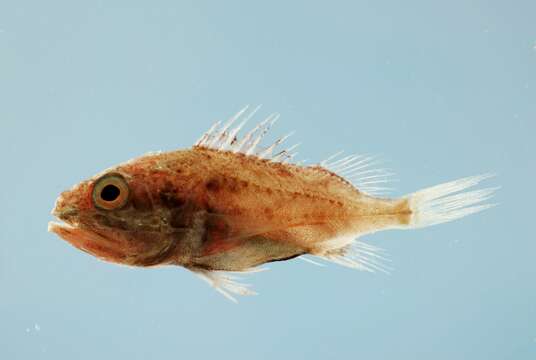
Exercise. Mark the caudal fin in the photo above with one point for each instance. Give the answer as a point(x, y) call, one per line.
point(448, 201)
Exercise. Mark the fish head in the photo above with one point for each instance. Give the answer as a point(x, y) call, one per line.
point(112, 216)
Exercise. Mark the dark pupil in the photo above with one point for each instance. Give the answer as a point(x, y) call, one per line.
point(110, 193)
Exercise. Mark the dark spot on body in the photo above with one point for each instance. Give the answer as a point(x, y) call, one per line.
point(209, 209)
point(213, 185)
point(269, 213)
point(170, 199)
point(284, 172)
point(181, 218)
point(216, 229)
point(168, 196)
point(216, 223)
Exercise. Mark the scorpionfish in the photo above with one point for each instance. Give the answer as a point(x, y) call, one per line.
point(230, 204)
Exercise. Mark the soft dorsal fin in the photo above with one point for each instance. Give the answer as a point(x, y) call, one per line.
point(360, 171)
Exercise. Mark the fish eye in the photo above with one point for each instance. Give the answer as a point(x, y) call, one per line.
point(110, 192)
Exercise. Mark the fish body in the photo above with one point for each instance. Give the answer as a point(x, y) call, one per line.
point(230, 205)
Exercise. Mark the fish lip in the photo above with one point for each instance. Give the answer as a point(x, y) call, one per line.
point(66, 214)
point(88, 241)
point(55, 226)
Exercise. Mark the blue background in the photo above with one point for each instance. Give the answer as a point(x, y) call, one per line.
point(440, 89)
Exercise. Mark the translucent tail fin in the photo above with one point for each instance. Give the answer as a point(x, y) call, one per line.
point(448, 202)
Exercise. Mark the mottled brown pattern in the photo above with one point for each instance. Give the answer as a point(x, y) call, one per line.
point(220, 211)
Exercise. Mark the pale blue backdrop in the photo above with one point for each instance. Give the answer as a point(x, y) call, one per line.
point(441, 89)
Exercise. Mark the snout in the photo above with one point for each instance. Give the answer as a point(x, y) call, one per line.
point(65, 211)
point(68, 214)
point(71, 203)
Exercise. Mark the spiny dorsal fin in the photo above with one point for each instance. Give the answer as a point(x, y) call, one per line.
point(356, 170)
point(226, 138)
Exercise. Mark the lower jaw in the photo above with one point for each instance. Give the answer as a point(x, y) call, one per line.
point(86, 241)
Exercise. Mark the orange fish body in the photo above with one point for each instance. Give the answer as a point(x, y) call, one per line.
point(228, 204)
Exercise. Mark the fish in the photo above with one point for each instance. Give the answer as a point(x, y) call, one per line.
point(231, 203)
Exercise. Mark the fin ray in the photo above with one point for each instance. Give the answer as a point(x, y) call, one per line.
point(447, 202)
point(226, 137)
point(358, 255)
point(225, 283)
point(359, 171)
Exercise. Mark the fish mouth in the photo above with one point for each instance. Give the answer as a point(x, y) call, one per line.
point(91, 242)
point(65, 231)
point(62, 229)
point(67, 227)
